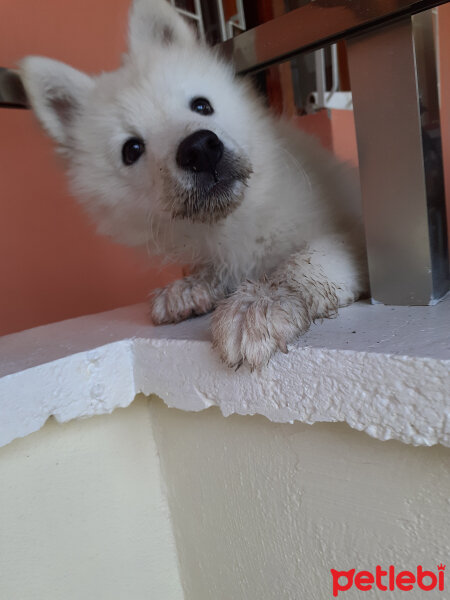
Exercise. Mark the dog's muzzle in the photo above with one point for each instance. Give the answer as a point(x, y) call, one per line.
point(214, 180)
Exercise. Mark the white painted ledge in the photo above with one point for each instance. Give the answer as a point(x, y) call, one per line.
point(383, 370)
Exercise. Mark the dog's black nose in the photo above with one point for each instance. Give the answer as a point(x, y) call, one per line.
point(200, 152)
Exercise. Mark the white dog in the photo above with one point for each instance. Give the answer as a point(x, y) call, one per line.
point(174, 152)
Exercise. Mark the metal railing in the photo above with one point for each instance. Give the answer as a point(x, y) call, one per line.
point(393, 73)
point(12, 93)
point(196, 15)
point(314, 25)
point(236, 22)
point(227, 27)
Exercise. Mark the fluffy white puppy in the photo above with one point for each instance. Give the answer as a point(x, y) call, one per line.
point(173, 152)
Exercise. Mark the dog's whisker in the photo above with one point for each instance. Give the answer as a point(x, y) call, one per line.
point(297, 164)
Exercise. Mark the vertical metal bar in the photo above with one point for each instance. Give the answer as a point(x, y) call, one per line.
point(229, 27)
point(395, 99)
point(237, 21)
point(197, 15)
point(223, 28)
point(198, 12)
point(240, 15)
point(319, 61)
point(334, 69)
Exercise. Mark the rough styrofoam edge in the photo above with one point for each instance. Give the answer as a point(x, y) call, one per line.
point(88, 383)
point(389, 397)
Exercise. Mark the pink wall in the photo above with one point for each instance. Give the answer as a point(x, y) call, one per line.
point(53, 266)
point(336, 131)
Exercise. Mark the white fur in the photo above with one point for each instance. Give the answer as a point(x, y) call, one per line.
point(297, 233)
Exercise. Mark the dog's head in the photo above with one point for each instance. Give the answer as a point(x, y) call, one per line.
point(166, 136)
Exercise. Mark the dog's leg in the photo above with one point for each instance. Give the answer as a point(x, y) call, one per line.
point(262, 317)
point(193, 295)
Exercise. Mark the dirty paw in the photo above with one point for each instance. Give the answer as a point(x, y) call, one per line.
point(180, 300)
point(256, 321)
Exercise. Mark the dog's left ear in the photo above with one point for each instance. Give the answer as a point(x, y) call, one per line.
point(157, 22)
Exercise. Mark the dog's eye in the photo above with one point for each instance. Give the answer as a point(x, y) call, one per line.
point(202, 106)
point(132, 150)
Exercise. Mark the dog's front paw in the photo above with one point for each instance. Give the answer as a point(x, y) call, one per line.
point(181, 300)
point(256, 321)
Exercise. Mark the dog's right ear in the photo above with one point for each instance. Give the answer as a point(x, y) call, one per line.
point(157, 22)
point(56, 92)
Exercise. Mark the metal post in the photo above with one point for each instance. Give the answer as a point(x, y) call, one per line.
point(395, 99)
point(223, 25)
point(319, 62)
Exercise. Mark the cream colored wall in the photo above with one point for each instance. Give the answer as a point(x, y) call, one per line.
point(254, 510)
point(263, 511)
point(82, 513)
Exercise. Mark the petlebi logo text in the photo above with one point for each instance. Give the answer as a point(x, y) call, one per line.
point(388, 580)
